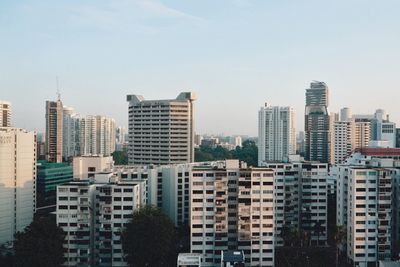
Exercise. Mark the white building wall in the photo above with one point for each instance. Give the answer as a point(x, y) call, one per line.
point(276, 133)
point(17, 181)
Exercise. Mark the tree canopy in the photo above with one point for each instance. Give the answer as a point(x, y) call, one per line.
point(40, 244)
point(120, 157)
point(247, 153)
point(149, 239)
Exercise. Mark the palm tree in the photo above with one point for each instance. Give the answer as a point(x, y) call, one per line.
point(318, 229)
point(340, 237)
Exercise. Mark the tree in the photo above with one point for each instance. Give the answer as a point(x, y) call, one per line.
point(120, 157)
point(247, 153)
point(318, 230)
point(40, 245)
point(339, 236)
point(149, 239)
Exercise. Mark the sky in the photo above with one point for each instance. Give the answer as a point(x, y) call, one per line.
point(235, 54)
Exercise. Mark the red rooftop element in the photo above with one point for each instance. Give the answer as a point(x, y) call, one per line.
point(377, 151)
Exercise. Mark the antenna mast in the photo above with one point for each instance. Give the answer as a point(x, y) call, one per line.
point(58, 90)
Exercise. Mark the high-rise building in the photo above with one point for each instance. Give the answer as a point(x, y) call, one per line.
point(69, 133)
point(49, 176)
point(317, 123)
point(161, 131)
point(343, 136)
point(232, 208)
point(17, 181)
point(300, 200)
point(5, 114)
point(276, 133)
point(54, 131)
point(362, 133)
point(382, 129)
point(93, 216)
point(367, 204)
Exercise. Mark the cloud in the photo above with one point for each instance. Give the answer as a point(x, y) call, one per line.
point(131, 15)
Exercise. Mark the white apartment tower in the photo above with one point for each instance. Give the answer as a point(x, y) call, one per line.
point(232, 208)
point(93, 216)
point(69, 133)
point(17, 181)
point(362, 133)
point(276, 133)
point(5, 114)
point(161, 131)
point(367, 204)
point(343, 136)
point(300, 200)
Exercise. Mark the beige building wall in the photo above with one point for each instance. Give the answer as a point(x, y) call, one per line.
point(17, 181)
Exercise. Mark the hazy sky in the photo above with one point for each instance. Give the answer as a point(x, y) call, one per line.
point(236, 54)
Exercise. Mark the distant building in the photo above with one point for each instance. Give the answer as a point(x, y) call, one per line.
point(276, 133)
point(210, 141)
point(70, 134)
point(382, 129)
point(197, 139)
point(49, 176)
point(17, 181)
point(86, 167)
point(362, 133)
point(5, 114)
point(236, 141)
point(161, 131)
point(344, 135)
point(54, 131)
point(318, 123)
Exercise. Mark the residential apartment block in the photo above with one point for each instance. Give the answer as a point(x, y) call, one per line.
point(301, 191)
point(232, 208)
point(161, 132)
point(367, 204)
point(5, 114)
point(54, 131)
point(276, 133)
point(93, 216)
point(17, 181)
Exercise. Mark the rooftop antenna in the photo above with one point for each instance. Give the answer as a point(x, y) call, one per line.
point(58, 90)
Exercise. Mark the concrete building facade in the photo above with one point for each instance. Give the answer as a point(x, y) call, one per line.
point(276, 133)
point(54, 131)
point(17, 181)
point(318, 124)
point(93, 216)
point(232, 208)
point(5, 114)
point(161, 131)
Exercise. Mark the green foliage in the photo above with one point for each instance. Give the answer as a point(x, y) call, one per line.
point(40, 245)
point(149, 239)
point(247, 153)
point(120, 157)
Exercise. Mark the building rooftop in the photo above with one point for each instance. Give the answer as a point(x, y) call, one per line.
point(232, 256)
point(372, 151)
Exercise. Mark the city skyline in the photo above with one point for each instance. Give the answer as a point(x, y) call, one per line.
point(235, 56)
